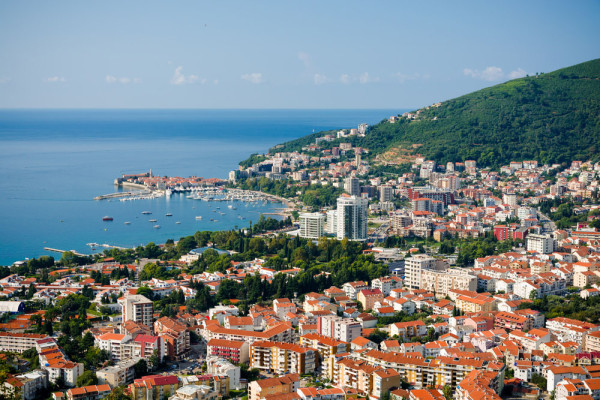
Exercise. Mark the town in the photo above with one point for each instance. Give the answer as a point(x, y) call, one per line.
point(434, 282)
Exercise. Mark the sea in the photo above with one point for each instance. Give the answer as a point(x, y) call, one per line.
point(54, 162)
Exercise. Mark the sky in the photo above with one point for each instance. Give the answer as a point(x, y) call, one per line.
point(280, 54)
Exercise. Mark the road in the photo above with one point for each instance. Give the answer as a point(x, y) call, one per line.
point(547, 224)
point(380, 233)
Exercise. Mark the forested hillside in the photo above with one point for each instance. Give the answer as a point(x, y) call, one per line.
point(553, 118)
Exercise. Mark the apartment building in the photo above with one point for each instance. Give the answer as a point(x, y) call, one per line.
point(18, 342)
point(236, 351)
point(29, 384)
point(136, 308)
point(409, 329)
point(221, 368)
point(282, 332)
point(441, 282)
point(93, 392)
point(326, 346)
point(352, 218)
point(53, 360)
point(511, 321)
point(539, 243)
point(122, 373)
point(368, 298)
point(567, 329)
point(285, 384)
point(352, 288)
point(312, 225)
point(470, 304)
point(413, 267)
point(175, 336)
point(280, 358)
point(154, 387)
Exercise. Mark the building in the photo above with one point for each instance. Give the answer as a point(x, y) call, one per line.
point(29, 384)
point(232, 350)
point(175, 336)
point(331, 227)
point(137, 308)
point(220, 367)
point(12, 307)
point(53, 360)
point(440, 282)
point(154, 387)
point(352, 186)
point(122, 373)
point(413, 266)
point(368, 298)
point(312, 225)
point(195, 392)
point(386, 193)
point(352, 218)
point(540, 243)
point(18, 342)
point(344, 329)
point(93, 392)
point(281, 357)
point(285, 384)
point(326, 346)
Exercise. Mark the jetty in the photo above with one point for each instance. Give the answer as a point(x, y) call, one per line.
point(64, 251)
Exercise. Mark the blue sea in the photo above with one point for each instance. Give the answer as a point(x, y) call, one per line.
point(54, 162)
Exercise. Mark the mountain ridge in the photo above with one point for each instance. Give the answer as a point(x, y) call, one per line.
point(551, 117)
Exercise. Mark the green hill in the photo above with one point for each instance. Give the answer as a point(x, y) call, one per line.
point(552, 118)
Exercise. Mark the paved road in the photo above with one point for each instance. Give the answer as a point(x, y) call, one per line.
point(547, 223)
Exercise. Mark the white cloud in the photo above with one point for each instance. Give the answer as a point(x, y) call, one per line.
point(55, 79)
point(180, 79)
point(255, 77)
point(122, 80)
point(320, 79)
point(365, 78)
point(488, 74)
point(401, 77)
point(305, 58)
point(518, 73)
point(345, 79)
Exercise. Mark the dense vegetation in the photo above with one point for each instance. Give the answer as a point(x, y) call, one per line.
point(552, 118)
point(320, 265)
point(572, 306)
point(311, 195)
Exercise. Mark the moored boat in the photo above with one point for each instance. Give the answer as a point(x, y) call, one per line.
point(107, 218)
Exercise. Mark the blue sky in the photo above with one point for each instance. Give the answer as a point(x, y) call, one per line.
point(280, 54)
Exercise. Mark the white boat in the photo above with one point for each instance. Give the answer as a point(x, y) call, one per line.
point(146, 212)
point(168, 215)
point(230, 206)
point(168, 192)
point(156, 226)
point(151, 220)
point(198, 217)
point(127, 223)
point(177, 222)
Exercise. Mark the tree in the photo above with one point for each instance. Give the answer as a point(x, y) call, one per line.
point(539, 380)
point(87, 378)
point(447, 391)
point(141, 368)
point(533, 295)
point(146, 292)
point(118, 394)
